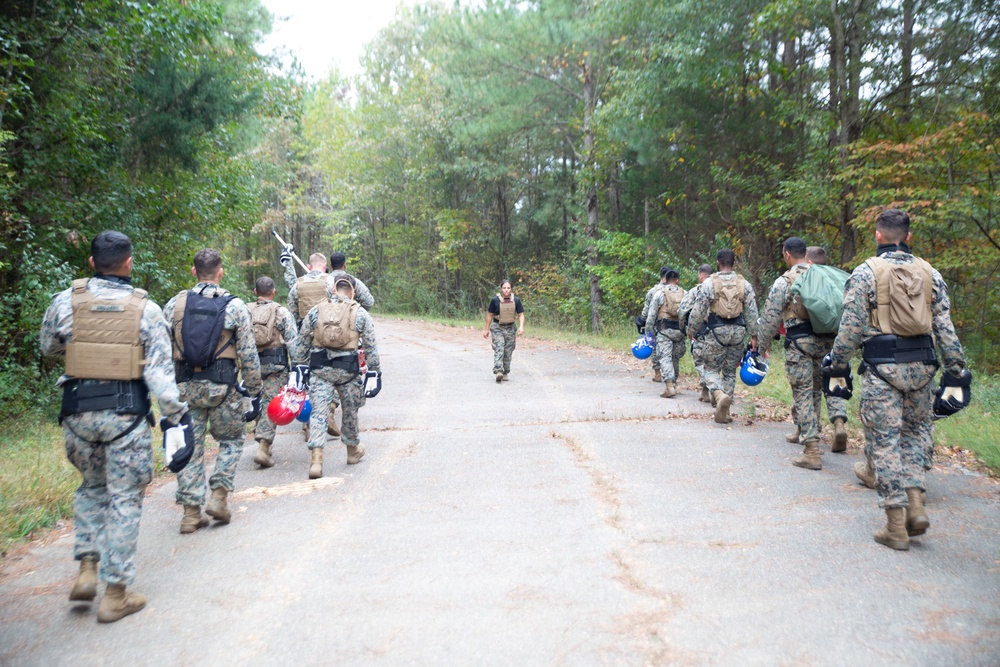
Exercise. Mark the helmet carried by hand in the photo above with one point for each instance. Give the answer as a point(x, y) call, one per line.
point(641, 349)
point(286, 406)
point(305, 412)
point(753, 369)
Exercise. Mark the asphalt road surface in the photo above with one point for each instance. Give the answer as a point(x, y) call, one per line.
point(569, 516)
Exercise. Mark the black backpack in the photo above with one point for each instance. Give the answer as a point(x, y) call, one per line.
point(201, 328)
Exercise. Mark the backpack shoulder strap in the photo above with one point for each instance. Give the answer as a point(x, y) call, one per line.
point(880, 315)
point(928, 273)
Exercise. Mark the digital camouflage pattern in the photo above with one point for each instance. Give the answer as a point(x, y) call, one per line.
point(645, 312)
point(504, 340)
point(107, 505)
point(896, 410)
point(274, 376)
point(722, 348)
point(687, 303)
point(218, 408)
point(803, 359)
point(670, 345)
point(293, 288)
point(322, 381)
point(361, 292)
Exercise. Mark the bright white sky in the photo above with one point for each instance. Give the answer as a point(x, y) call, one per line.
point(323, 32)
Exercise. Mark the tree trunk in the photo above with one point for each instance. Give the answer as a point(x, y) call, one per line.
point(906, 64)
point(591, 231)
point(847, 51)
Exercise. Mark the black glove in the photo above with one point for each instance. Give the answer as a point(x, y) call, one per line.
point(254, 411)
point(640, 324)
point(372, 393)
point(285, 258)
point(954, 393)
point(178, 442)
point(837, 382)
point(302, 376)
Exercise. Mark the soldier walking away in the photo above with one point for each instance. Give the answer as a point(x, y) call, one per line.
point(213, 340)
point(338, 268)
point(804, 350)
point(504, 309)
point(724, 312)
point(650, 293)
point(662, 317)
point(896, 308)
point(273, 330)
point(117, 350)
point(697, 342)
point(326, 356)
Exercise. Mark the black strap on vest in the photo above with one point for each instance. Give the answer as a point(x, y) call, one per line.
point(664, 324)
point(713, 321)
point(803, 330)
point(347, 362)
point(129, 397)
point(893, 349)
point(275, 355)
point(220, 371)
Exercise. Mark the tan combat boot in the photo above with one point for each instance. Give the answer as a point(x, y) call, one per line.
point(505, 378)
point(705, 397)
point(316, 467)
point(917, 522)
point(85, 588)
point(193, 520)
point(354, 453)
point(669, 390)
point(722, 401)
point(657, 376)
point(332, 430)
point(499, 378)
point(793, 437)
point(117, 604)
point(864, 472)
point(810, 456)
point(894, 534)
point(216, 507)
point(839, 436)
point(263, 455)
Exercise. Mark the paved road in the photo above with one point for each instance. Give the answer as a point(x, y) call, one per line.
point(566, 517)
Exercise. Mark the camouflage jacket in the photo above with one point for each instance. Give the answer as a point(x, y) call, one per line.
point(703, 301)
point(650, 293)
point(285, 324)
point(687, 303)
point(293, 290)
point(158, 373)
point(302, 347)
point(238, 321)
point(654, 306)
point(361, 292)
point(856, 322)
point(774, 308)
point(289, 275)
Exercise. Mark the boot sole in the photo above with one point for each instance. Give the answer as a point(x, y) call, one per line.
point(792, 441)
point(839, 443)
point(262, 462)
point(315, 475)
point(898, 545)
point(219, 515)
point(83, 594)
point(722, 411)
point(111, 617)
point(807, 465)
point(917, 526)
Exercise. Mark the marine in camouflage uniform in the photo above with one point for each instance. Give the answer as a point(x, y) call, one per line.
point(116, 464)
point(804, 350)
point(504, 334)
point(325, 382)
point(897, 398)
point(723, 345)
point(650, 293)
point(670, 345)
point(697, 343)
point(215, 407)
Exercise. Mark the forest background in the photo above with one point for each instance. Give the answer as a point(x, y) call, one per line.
point(573, 146)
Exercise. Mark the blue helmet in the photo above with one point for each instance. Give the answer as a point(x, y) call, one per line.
point(304, 413)
point(641, 349)
point(753, 369)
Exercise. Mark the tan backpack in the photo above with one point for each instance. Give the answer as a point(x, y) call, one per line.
point(728, 300)
point(672, 297)
point(903, 294)
point(311, 290)
point(794, 308)
point(337, 325)
point(264, 316)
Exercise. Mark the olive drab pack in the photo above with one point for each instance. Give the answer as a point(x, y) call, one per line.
point(311, 290)
point(794, 309)
point(903, 295)
point(508, 310)
point(670, 308)
point(728, 300)
point(106, 343)
point(200, 336)
point(264, 315)
point(337, 325)
point(820, 292)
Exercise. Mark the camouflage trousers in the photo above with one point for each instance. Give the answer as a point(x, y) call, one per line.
point(669, 349)
point(722, 356)
point(504, 337)
point(804, 372)
point(274, 377)
point(215, 408)
point(896, 414)
point(322, 390)
point(697, 356)
point(108, 504)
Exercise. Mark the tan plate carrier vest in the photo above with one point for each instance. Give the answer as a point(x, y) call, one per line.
point(106, 343)
point(228, 353)
point(508, 310)
point(898, 312)
point(264, 316)
point(793, 307)
point(312, 290)
point(670, 308)
point(727, 300)
point(337, 326)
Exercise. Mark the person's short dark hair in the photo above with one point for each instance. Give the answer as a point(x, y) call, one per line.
point(816, 254)
point(506, 282)
point(795, 247)
point(207, 263)
point(894, 225)
point(264, 286)
point(344, 280)
point(338, 260)
point(110, 250)
point(705, 269)
point(726, 258)
point(663, 271)
point(672, 274)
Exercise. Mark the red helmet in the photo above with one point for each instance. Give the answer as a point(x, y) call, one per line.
point(284, 407)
